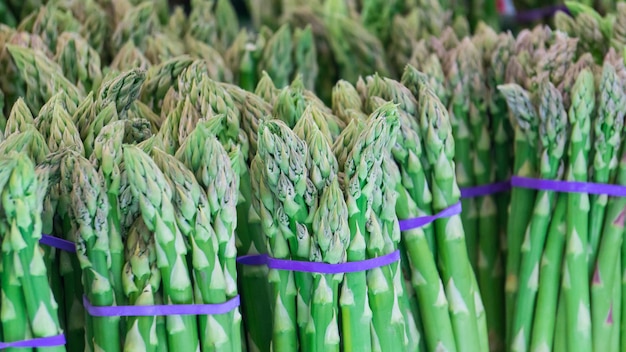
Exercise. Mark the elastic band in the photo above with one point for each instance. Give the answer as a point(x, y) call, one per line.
point(59, 243)
point(568, 186)
point(51, 341)
point(422, 221)
point(485, 190)
point(317, 267)
point(161, 310)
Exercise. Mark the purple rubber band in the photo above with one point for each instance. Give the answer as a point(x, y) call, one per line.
point(51, 341)
point(540, 13)
point(320, 268)
point(59, 243)
point(485, 190)
point(569, 186)
point(421, 221)
point(253, 259)
point(161, 310)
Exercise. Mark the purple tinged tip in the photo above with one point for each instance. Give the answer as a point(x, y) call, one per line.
point(609, 318)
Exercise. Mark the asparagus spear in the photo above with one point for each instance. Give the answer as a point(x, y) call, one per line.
point(217, 175)
point(43, 77)
point(129, 57)
point(305, 56)
point(462, 65)
point(15, 322)
point(345, 97)
point(330, 226)
point(322, 170)
point(148, 184)
point(552, 131)
point(138, 23)
point(522, 200)
point(142, 280)
point(503, 154)
point(610, 238)
point(607, 127)
point(30, 141)
point(121, 90)
point(266, 88)
point(107, 157)
point(19, 117)
point(549, 309)
point(276, 59)
point(89, 212)
point(160, 78)
point(79, 61)
point(455, 267)
point(575, 283)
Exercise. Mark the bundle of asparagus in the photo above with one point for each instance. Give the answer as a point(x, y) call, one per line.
point(29, 308)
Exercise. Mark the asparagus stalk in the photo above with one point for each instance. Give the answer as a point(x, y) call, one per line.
point(107, 157)
point(575, 283)
point(276, 59)
point(79, 61)
point(549, 296)
point(331, 234)
point(522, 200)
point(552, 131)
point(44, 77)
point(610, 241)
point(455, 267)
point(459, 73)
point(608, 127)
point(305, 56)
point(89, 212)
point(142, 280)
point(19, 117)
point(503, 154)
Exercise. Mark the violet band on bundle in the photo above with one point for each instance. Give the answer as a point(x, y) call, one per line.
point(161, 310)
point(51, 341)
point(485, 190)
point(569, 186)
point(421, 221)
point(318, 267)
point(59, 243)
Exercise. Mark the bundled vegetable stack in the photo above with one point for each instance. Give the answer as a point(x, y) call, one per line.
point(29, 309)
point(155, 153)
point(564, 289)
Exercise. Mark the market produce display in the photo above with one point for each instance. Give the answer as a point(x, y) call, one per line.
point(337, 176)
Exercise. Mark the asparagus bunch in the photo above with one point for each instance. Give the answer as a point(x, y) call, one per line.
point(30, 309)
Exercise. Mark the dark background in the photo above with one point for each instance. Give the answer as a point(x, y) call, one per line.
point(239, 5)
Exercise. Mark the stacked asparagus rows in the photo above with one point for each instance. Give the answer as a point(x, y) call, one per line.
point(163, 171)
point(580, 140)
point(307, 151)
point(133, 217)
